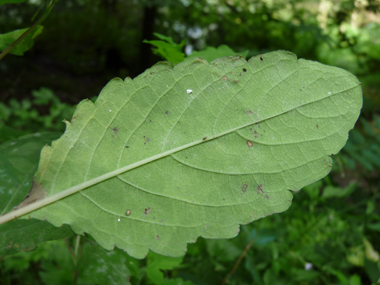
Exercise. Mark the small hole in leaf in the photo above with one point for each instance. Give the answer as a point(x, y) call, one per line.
point(244, 70)
point(261, 58)
point(128, 212)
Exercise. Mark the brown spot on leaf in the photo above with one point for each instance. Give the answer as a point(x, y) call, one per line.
point(205, 138)
point(317, 126)
point(235, 81)
point(261, 58)
point(255, 134)
point(115, 130)
point(266, 196)
point(250, 112)
point(224, 78)
point(259, 189)
point(147, 211)
point(127, 212)
point(244, 188)
point(167, 112)
point(157, 237)
point(36, 193)
point(126, 146)
point(250, 144)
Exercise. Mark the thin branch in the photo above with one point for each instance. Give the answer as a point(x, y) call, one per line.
point(237, 263)
point(70, 250)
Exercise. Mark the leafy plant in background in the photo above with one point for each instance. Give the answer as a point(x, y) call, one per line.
point(20, 118)
point(168, 49)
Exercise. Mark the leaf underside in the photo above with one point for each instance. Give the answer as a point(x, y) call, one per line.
point(213, 145)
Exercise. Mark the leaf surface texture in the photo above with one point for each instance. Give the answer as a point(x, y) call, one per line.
point(198, 149)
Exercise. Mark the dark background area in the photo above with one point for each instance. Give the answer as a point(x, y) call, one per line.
point(86, 43)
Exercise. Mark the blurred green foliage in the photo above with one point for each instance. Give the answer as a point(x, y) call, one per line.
point(331, 233)
point(19, 118)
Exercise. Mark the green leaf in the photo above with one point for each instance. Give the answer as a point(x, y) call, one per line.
point(194, 151)
point(2, 2)
point(168, 49)
point(98, 266)
point(211, 53)
point(157, 262)
point(7, 133)
point(26, 44)
point(18, 163)
point(332, 191)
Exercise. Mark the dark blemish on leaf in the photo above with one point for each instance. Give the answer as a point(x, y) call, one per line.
point(244, 188)
point(161, 221)
point(259, 189)
point(205, 138)
point(259, 126)
point(150, 120)
point(224, 199)
point(250, 112)
point(255, 134)
point(186, 156)
point(317, 126)
point(250, 129)
point(224, 77)
point(157, 237)
point(115, 130)
point(244, 70)
point(127, 212)
point(261, 58)
point(167, 112)
point(147, 211)
point(148, 139)
point(250, 144)
point(144, 137)
point(239, 74)
point(266, 196)
point(235, 81)
point(360, 83)
point(36, 193)
point(154, 218)
point(126, 146)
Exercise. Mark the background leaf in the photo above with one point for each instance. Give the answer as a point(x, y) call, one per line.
point(2, 2)
point(18, 163)
point(26, 44)
point(211, 53)
point(196, 150)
